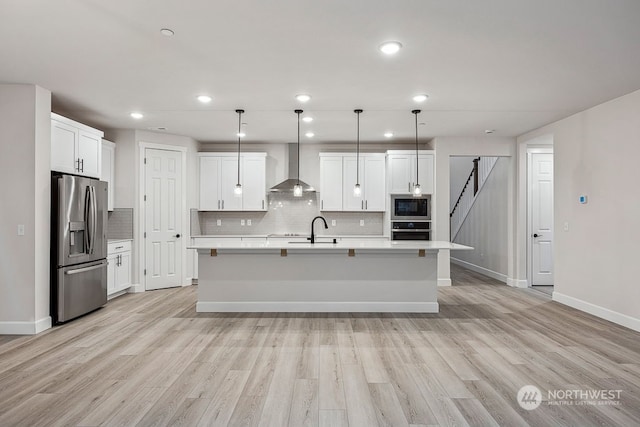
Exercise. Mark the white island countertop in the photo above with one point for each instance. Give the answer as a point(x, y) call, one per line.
point(325, 245)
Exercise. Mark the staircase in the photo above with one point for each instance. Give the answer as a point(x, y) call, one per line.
point(482, 167)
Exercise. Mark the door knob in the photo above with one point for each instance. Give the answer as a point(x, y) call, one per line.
point(536, 235)
point(177, 236)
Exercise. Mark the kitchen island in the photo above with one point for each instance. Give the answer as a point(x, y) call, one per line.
point(351, 275)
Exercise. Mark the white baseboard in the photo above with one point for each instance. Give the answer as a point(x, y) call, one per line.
point(493, 274)
point(598, 311)
point(136, 288)
point(444, 282)
point(517, 283)
point(317, 307)
point(25, 328)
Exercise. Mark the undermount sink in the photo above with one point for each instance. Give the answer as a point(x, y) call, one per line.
point(315, 243)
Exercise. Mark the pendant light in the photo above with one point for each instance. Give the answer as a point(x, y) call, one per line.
point(417, 191)
point(238, 190)
point(357, 191)
point(297, 189)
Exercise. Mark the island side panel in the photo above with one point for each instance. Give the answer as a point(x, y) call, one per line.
point(313, 282)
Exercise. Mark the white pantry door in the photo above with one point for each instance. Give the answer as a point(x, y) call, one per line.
point(163, 218)
point(541, 214)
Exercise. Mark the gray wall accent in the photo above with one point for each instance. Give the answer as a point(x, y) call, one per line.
point(286, 214)
point(120, 224)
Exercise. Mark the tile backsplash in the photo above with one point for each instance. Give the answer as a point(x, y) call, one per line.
point(120, 223)
point(286, 214)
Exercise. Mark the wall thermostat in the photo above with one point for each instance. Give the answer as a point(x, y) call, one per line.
point(582, 199)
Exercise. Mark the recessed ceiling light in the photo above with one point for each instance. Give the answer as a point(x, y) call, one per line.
point(167, 32)
point(488, 131)
point(136, 115)
point(309, 134)
point(420, 98)
point(307, 119)
point(241, 134)
point(388, 134)
point(205, 99)
point(303, 97)
point(390, 48)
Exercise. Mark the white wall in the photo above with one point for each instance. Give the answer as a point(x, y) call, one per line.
point(469, 146)
point(25, 141)
point(485, 228)
point(127, 193)
point(596, 153)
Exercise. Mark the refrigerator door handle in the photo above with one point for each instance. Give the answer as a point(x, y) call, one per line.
point(82, 270)
point(94, 220)
point(87, 214)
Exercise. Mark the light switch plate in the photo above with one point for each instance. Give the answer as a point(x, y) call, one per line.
point(362, 223)
point(20, 229)
point(249, 222)
point(565, 226)
point(219, 222)
point(242, 222)
point(333, 222)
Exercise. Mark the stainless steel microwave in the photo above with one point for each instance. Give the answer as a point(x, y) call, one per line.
point(405, 208)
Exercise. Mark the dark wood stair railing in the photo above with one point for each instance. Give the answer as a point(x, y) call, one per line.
point(474, 175)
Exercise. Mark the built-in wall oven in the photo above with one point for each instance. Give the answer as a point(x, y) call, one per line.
point(410, 217)
point(410, 230)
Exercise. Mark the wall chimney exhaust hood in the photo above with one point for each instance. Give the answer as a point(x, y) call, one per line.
point(287, 185)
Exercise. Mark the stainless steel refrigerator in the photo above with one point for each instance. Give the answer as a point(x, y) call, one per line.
point(78, 246)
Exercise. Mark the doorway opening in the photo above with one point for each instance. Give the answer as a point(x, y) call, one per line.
point(540, 227)
point(478, 213)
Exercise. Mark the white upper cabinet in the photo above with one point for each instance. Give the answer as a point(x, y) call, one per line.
point(374, 192)
point(210, 183)
point(338, 176)
point(107, 172)
point(219, 176)
point(75, 148)
point(331, 182)
point(228, 180)
point(401, 170)
point(254, 183)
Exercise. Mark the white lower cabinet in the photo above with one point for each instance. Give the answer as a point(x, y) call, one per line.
point(118, 266)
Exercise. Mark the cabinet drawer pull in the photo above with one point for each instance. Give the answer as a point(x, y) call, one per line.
point(119, 247)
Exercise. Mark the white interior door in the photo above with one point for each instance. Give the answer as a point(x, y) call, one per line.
point(163, 218)
point(541, 215)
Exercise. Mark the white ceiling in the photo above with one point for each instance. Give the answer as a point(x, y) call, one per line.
point(509, 65)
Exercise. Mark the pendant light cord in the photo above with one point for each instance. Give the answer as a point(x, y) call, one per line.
point(298, 112)
point(358, 147)
point(416, 112)
point(239, 127)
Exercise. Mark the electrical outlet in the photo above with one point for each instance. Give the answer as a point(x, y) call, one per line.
point(242, 222)
point(21, 230)
point(333, 222)
point(362, 223)
point(219, 222)
point(565, 226)
point(249, 222)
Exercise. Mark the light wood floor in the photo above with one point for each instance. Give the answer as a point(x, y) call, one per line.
point(150, 359)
